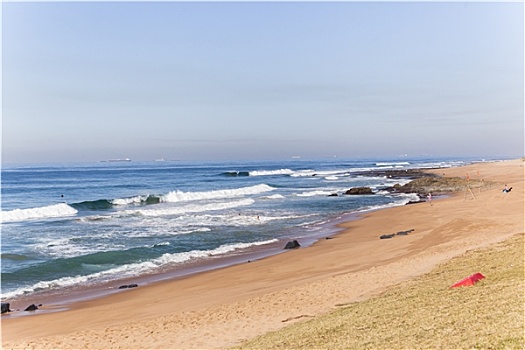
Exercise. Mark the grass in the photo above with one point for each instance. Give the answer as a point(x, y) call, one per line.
point(425, 312)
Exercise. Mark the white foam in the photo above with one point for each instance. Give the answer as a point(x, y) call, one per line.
point(271, 172)
point(299, 173)
point(189, 223)
point(322, 173)
point(180, 196)
point(128, 201)
point(192, 208)
point(135, 269)
point(392, 164)
point(404, 198)
point(50, 211)
point(314, 193)
point(274, 196)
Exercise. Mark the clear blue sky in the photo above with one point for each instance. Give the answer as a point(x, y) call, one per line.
point(261, 80)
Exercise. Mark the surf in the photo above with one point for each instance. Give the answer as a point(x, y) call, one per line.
point(46, 212)
point(180, 196)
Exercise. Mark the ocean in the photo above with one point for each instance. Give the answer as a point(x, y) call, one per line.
point(69, 227)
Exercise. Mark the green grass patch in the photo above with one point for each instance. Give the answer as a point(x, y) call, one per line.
point(425, 312)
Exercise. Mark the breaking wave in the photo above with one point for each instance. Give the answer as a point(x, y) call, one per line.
point(50, 211)
point(180, 196)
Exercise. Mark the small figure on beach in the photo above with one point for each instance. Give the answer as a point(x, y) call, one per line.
point(507, 189)
point(429, 198)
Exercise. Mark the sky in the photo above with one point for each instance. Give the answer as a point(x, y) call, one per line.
point(93, 81)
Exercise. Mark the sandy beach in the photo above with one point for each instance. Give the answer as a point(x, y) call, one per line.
point(220, 308)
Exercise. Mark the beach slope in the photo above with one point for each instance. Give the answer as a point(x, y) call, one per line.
point(222, 308)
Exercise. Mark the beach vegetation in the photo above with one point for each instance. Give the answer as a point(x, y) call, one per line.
point(425, 312)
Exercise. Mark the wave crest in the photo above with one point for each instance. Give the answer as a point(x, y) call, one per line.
point(50, 211)
point(180, 196)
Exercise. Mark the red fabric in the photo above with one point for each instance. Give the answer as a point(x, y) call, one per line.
point(468, 281)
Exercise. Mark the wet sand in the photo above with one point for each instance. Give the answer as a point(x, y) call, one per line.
point(220, 308)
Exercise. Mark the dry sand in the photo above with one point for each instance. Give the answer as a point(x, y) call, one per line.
point(220, 308)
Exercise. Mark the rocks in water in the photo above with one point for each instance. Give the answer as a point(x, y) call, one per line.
point(31, 307)
point(292, 245)
point(5, 308)
point(395, 174)
point(125, 286)
point(333, 195)
point(359, 190)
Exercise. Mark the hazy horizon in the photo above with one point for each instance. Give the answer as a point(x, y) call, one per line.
point(197, 81)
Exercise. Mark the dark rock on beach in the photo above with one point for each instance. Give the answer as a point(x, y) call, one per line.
point(5, 308)
point(125, 286)
point(359, 190)
point(415, 202)
point(292, 245)
point(400, 233)
point(31, 307)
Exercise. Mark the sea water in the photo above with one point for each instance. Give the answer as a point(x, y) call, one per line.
point(83, 225)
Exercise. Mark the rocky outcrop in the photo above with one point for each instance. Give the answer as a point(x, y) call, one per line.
point(396, 174)
point(292, 245)
point(359, 190)
point(5, 308)
point(436, 185)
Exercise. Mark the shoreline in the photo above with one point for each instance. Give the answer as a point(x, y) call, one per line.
point(65, 298)
point(66, 295)
point(246, 300)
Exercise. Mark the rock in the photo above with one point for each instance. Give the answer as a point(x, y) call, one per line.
point(415, 202)
point(396, 174)
point(292, 245)
point(333, 195)
point(5, 308)
point(436, 185)
point(359, 190)
point(31, 307)
point(404, 233)
point(387, 236)
point(125, 286)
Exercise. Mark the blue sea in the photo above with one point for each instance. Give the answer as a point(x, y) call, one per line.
point(85, 225)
